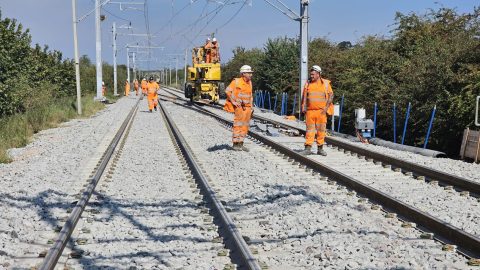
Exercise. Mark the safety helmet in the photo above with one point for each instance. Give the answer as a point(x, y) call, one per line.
point(151, 78)
point(103, 83)
point(214, 40)
point(246, 69)
point(316, 68)
point(208, 39)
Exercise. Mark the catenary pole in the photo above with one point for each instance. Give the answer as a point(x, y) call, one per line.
point(98, 43)
point(303, 48)
point(128, 65)
point(115, 88)
point(77, 64)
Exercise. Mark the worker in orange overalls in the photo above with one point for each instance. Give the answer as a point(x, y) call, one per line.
point(152, 88)
point(135, 86)
point(316, 103)
point(144, 86)
point(215, 51)
point(127, 88)
point(207, 48)
point(239, 101)
point(104, 89)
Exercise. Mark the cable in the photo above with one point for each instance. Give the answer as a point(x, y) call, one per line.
point(120, 18)
point(231, 18)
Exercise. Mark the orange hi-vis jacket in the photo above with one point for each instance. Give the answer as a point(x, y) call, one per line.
point(152, 88)
point(240, 92)
point(144, 85)
point(316, 95)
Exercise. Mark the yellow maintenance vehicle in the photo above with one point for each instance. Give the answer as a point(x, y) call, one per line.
point(204, 77)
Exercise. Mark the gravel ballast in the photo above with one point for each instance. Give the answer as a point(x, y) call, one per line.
point(148, 215)
point(40, 183)
point(297, 220)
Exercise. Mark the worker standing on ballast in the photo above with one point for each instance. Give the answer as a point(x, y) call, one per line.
point(316, 104)
point(152, 88)
point(127, 88)
point(135, 86)
point(239, 101)
point(144, 86)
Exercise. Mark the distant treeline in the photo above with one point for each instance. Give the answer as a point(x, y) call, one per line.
point(32, 76)
point(430, 59)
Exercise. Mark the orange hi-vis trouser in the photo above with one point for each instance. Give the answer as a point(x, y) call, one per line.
point(144, 90)
point(127, 89)
point(152, 100)
point(241, 123)
point(316, 121)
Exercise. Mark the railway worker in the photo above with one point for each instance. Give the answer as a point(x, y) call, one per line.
point(127, 88)
point(207, 48)
point(144, 86)
point(239, 101)
point(152, 88)
point(215, 51)
point(135, 86)
point(104, 89)
point(316, 103)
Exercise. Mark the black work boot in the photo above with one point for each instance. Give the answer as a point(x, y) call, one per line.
point(243, 147)
point(150, 110)
point(236, 146)
point(155, 108)
point(320, 151)
point(307, 150)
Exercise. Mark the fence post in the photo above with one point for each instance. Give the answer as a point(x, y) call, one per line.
point(286, 104)
point(340, 115)
point(294, 103)
point(406, 122)
point(394, 123)
point(269, 101)
point(374, 120)
point(430, 126)
point(275, 104)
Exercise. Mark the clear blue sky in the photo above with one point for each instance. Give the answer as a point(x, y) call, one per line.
point(50, 23)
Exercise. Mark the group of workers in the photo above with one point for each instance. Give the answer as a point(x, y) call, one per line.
point(317, 102)
point(209, 53)
point(148, 88)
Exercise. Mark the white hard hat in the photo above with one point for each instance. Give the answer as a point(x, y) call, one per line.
point(208, 38)
point(246, 69)
point(103, 83)
point(317, 69)
point(214, 40)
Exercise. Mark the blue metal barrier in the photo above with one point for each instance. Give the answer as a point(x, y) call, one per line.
point(406, 122)
point(430, 126)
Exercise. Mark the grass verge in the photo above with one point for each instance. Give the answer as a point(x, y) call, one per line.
point(17, 130)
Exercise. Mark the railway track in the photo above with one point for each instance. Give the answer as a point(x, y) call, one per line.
point(422, 172)
point(378, 182)
point(135, 216)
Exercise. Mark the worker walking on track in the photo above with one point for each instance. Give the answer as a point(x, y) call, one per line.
point(316, 103)
point(239, 101)
point(144, 86)
point(135, 86)
point(127, 88)
point(152, 88)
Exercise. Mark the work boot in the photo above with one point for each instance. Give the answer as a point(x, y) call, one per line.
point(236, 146)
point(150, 110)
point(243, 147)
point(155, 108)
point(307, 150)
point(320, 151)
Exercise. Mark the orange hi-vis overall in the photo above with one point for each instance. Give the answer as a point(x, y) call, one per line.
point(135, 86)
point(316, 96)
point(152, 96)
point(144, 87)
point(241, 92)
point(127, 88)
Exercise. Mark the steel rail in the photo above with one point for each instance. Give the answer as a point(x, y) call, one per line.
point(56, 251)
point(467, 243)
point(219, 211)
point(416, 169)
